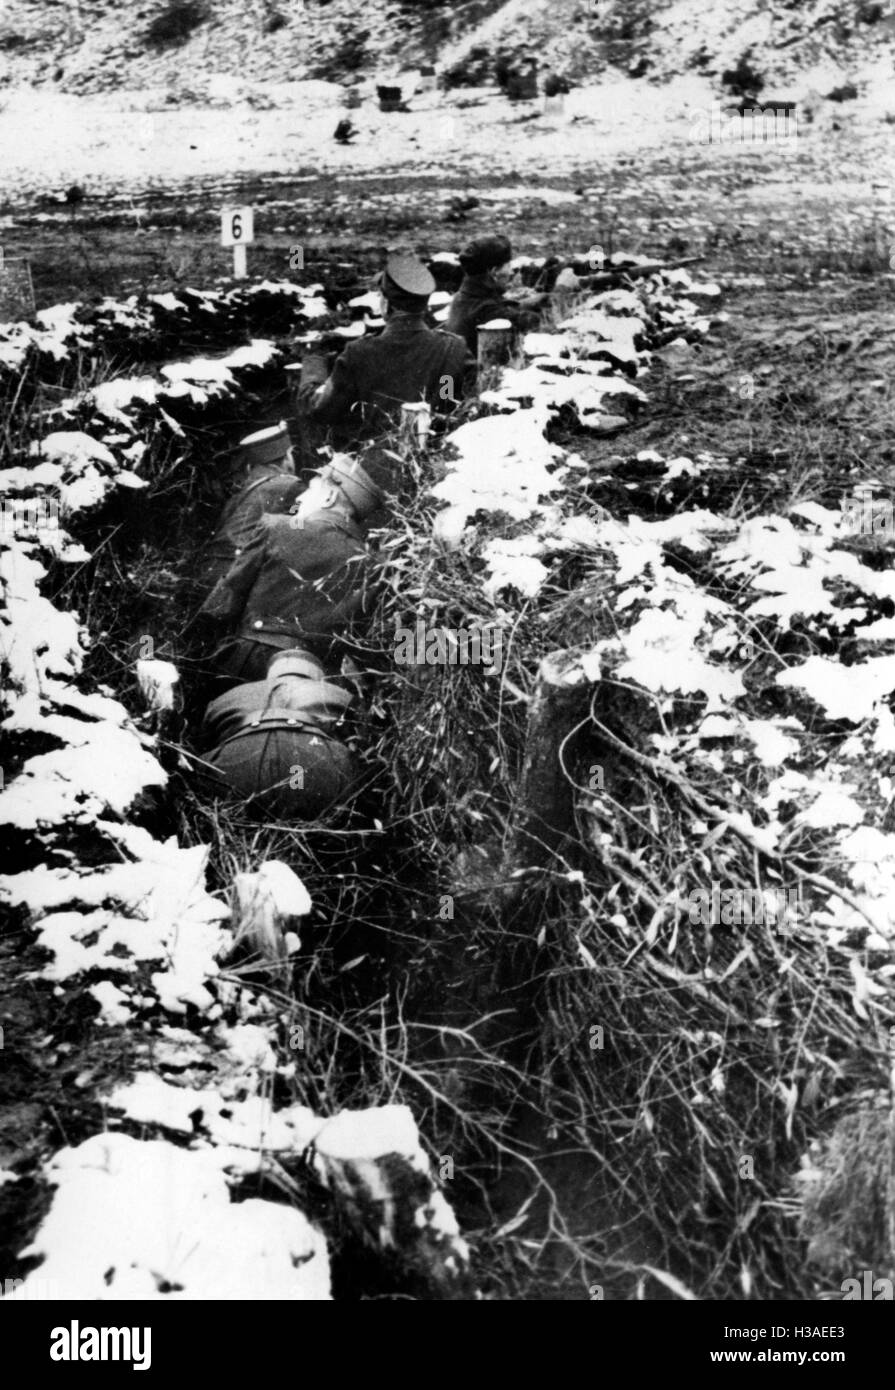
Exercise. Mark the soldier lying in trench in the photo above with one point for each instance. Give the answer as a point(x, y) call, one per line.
point(301, 581)
point(269, 485)
point(276, 742)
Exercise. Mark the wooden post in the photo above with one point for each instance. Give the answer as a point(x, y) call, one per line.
point(494, 342)
point(16, 288)
point(416, 423)
point(544, 817)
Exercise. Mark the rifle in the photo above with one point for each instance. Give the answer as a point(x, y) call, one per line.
point(607, 278)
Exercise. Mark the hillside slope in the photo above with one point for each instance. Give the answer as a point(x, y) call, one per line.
point(100, 45)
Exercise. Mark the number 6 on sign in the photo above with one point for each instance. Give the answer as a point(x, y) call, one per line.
point(237, 226)
point(237, 230)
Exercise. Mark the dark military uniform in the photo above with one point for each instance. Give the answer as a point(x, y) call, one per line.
point(478, 300)
point(373, 378)
point(276, 745)
point(299, 583)
point(272, 492)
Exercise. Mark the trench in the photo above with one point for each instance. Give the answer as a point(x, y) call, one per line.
point(465, 1003)
point(448, 989)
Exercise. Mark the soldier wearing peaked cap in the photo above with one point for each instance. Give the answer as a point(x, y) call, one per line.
point(482, 293)
point(269, 485)
point(302, 579)
point(409, 361)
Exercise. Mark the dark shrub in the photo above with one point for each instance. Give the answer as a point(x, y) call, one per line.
point(555, 85)
point(175, 24)
point(502, 68)
point(350, 55)
point(744, 80)
point(848, 92)
point(475, 70)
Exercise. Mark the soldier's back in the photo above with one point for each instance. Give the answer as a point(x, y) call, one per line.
point(408, 362)
point(241, 518)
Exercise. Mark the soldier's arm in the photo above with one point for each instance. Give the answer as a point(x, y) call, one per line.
point(458, 381)
point(332, 401)
point(227, 599)
point(314, 372)
point(468, 372)
point(521, 318)
point(348, 589)
point(525, 315)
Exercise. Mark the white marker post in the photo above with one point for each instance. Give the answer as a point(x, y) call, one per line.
point(16, 288)
point(238, 230)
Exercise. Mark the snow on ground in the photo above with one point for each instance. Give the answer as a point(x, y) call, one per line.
point(672, 637)
point(146, 1219)
point(477, 131)
point(145, 922)
point(77, 139)
point(503, 462)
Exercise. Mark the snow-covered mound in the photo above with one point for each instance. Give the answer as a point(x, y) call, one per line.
point(701, 647)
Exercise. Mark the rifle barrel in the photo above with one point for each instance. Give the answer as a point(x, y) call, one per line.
point(595, 282)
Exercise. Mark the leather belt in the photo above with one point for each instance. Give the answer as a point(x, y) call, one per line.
point(267, 637)
point(281, 720)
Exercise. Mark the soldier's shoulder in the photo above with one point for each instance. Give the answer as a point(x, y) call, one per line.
point(454, 339)
point(456, 350)
point(275, 526)
point(358, 348)
point(239, 698)
point(277, 492)
point(281, 482)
